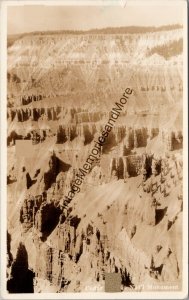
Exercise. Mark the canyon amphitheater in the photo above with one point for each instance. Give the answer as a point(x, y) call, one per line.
point(127, 217)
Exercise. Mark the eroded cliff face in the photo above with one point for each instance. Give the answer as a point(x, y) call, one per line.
point(148, 198)
point(129, 208)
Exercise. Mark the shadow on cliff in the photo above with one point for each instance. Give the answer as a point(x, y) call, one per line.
point(48, 217)
point(160, 213)
point(21, 280)
point(55, 167)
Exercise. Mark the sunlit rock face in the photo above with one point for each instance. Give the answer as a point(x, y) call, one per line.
point(128, 212)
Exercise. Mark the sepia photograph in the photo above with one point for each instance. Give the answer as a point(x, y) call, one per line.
point(94, 149)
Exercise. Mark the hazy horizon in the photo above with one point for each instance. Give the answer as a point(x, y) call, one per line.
point(32, 18)
point(91, 29)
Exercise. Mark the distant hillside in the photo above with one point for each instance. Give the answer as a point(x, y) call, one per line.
point(12, 38)
point(109, 30)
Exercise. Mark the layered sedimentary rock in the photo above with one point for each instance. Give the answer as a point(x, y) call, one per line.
point(34, 114)
point(128, 210)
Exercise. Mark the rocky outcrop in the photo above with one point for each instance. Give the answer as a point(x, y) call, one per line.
point(11, 177)
point(132, 165)
point(78, 115)
point(55, 167)
point(173, 140)
point(91, 117)
point(27, 99)
point(42, 211)
point(36, 135)
point(28, 211)
point(34, 114)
